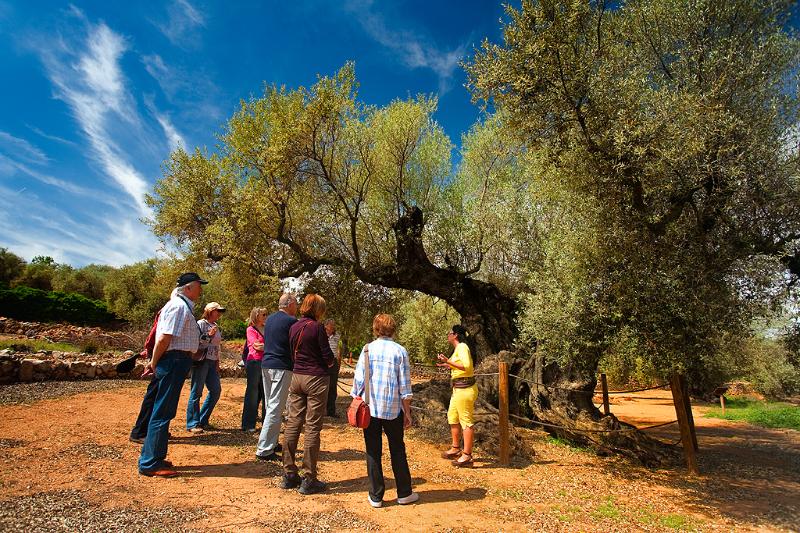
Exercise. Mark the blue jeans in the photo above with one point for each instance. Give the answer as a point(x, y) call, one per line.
point(139, 430)
point(253, 395)
point(170, 373)
point(204, 374)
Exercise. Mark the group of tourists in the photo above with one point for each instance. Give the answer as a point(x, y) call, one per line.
point(292, 365)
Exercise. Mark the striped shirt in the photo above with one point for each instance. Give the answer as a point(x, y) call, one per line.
point(333, 341)
point(211, 346)
point(390, 378)
point(177, 320)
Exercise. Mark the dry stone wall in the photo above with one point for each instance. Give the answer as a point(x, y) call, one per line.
point(50, 366)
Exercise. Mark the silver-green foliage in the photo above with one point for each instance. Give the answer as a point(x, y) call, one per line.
point(660, 144)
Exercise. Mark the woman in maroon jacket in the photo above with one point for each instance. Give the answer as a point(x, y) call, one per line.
point(308, 394)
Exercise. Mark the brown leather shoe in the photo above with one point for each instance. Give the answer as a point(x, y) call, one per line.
point(451, 455)
point(464, 464)
point(166, 463)
point(161, 472)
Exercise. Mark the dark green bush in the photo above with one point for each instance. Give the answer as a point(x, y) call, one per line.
point(233, 329)
point(25, 303)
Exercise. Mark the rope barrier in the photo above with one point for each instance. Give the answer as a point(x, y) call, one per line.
point(554, 426)
point(635, 390)
point(551, 386)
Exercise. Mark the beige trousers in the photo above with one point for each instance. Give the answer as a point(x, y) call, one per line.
point(306, 405)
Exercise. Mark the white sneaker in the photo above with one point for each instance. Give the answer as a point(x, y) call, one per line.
point(374, 504)
point(411, 498)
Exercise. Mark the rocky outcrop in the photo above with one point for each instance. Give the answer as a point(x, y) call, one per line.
point(54, 365)
point(98, 338)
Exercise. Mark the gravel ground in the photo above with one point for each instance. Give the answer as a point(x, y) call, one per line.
point(92, 450)
point(26, 393)
point(67, 510)
point(336, 520)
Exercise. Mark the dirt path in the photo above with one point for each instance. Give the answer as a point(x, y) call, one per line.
point(67, 465)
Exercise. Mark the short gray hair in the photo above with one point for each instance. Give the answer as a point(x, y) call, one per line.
point(285, 299)
point(329, 321)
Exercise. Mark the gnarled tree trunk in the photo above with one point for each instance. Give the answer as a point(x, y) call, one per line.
point(565, 399)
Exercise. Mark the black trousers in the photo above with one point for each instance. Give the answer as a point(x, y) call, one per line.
point(333, 389)
point(397, 449)
point(139, 430)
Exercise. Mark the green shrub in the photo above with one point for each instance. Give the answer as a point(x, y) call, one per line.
point(233, 329)
point(25, 303)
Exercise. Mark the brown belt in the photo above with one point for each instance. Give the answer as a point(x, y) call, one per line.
point(462, 383)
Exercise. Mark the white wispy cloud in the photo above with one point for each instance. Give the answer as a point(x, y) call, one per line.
point(193, 93)
point(51, 230)
point(70, 187)
point(183, 19)
point(88, 77)
point(174, 138)
point(50, 137)
point(22, 149)
point(413, 49)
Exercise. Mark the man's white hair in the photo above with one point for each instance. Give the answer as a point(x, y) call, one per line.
point(286, 299)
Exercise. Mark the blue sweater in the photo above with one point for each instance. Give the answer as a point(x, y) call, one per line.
point(277, 354)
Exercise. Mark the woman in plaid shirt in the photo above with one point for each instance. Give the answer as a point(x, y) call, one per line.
point(390, 409)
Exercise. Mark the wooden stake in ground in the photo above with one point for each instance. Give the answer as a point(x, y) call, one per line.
point(604, 383)
point(684, 423)
point(503, 387)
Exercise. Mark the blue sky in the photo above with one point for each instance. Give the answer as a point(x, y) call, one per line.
point(97, 93)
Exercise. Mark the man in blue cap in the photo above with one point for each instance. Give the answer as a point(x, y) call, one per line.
point(177, 337)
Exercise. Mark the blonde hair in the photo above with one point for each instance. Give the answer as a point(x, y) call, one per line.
point(254, 314)
point(313, 306)
point(383, 325)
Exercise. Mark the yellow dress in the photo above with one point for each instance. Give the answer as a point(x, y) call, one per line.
point(462, 402)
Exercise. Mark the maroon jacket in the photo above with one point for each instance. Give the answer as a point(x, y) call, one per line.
point(313, 357)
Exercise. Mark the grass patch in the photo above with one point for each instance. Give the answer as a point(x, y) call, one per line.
point(676, 521)
point(513, 494)
point(567, 513)
point(35, 345)
point(608, 509)
point(759, 413)
point(564, 443)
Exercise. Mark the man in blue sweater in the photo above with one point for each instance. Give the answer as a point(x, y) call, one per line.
point(276, 371)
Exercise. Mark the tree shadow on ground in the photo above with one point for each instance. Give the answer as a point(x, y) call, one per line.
point(747, 473)
point(345, 454)
point(216, 437)
point(247, 470)
point(361, 484)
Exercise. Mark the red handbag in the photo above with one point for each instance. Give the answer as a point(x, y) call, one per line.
point(358, 413)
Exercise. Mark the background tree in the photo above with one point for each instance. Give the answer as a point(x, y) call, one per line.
point(423, 325)
point(88, 281)
point(659, 136)
point(38, 274)
point(352, 303)
point(11, 266)
point(136, 292)
point(634, 179)
point(312, 177)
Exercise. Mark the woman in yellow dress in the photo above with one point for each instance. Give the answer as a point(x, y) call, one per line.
point(462, 402)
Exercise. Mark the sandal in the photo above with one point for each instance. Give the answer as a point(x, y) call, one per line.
point(464, 464)
point(451, 455)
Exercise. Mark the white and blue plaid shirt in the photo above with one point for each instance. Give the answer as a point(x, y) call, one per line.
point(176, 319)
point(390, 378)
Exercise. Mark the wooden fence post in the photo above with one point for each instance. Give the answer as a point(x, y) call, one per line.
point(722, 403)
point(676, 384)
point(604, 383)
point(503, 390)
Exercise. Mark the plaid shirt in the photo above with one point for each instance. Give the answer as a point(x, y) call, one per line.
point(177, 320)
point(390, 378)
